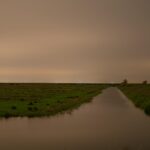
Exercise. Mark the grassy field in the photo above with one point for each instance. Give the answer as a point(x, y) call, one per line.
point(44, 99)
point(139, 94)
point(35, 100)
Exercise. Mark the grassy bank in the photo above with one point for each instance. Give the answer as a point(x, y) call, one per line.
point(44, 99)
point(139, 94)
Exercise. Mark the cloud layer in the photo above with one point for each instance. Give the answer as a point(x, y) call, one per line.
point(74, 41)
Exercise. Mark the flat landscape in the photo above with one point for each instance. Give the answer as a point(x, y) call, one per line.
point(34, 100)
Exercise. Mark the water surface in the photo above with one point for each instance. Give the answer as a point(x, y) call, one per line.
point(109, 122)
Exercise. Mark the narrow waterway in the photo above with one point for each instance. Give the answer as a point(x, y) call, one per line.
point(109, 122)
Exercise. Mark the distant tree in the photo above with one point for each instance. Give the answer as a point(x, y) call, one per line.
point(145, 82)
point(125, 82)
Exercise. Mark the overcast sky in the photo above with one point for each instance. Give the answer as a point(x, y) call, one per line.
point(74, 40)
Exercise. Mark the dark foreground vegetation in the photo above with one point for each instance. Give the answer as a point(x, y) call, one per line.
point(34, 100)
point(139, 94)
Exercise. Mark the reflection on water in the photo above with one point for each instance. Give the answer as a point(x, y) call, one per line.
point(110, 122)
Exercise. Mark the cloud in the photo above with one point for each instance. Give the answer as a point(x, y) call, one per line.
point(74, 41)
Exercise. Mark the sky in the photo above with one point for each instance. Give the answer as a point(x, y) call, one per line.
point(90, 41)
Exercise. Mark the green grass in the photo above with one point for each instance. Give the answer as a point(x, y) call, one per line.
point(34, 100)
point(139, 94)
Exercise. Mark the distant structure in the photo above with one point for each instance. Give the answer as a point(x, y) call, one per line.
point(125, 82)
point(145, 82)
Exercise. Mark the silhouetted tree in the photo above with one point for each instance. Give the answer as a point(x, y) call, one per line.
point(145, 82)
point(125, 82)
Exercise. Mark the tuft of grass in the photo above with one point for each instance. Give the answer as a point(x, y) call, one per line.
point(31, 103)
point(7, 115)
point(14, 107)
point(147, 109)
